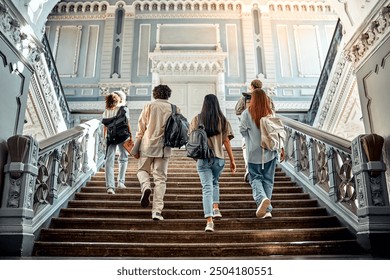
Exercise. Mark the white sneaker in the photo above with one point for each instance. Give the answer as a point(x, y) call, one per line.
point(267, 215)
point(261, 210)
point(121, 186)
point(209, 227)
point(110, 191)
point(217, 213)
point(157, 216)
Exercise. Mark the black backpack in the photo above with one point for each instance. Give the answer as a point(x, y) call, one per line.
point(117, 127)
point(197, 147)
point(176, 130)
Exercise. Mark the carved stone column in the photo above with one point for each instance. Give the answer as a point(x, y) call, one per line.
point(16, 212)
point(373, 200)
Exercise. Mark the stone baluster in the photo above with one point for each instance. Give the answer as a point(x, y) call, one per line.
point(373, 199)
point(16, 212)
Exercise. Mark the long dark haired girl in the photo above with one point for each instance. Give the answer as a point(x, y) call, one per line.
point(212, 116)
point(219, 134)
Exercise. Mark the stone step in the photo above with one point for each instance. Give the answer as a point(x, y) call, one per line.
point(145, 213)
point(194, 250)
point(129, 196)
point(190, 205)
point(196, 235)
point(101, 176)
point(196, 188)
point(183, 184)
point(225, 223)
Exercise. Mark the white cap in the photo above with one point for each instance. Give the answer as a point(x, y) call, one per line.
point(122, 95)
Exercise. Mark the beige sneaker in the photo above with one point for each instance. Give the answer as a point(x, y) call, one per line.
point(110, 191)
point(157, 216)
point(267, 215)
point(121, 186)
point(217, 213)
point(209, 227)
point(261, 210)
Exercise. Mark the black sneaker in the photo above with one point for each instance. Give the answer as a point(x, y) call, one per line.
point(145, 197)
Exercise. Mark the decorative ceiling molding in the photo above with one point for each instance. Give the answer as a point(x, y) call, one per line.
point(375, 33)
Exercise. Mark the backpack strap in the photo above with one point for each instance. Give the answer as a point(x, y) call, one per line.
point(200, 123)
point(173, 112)
point(173, 109)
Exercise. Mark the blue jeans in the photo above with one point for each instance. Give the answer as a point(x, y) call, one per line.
point(122, 165)
point(262, 181)
point(209, 171)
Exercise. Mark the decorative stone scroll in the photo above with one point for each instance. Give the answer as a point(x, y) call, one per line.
point(374, 31)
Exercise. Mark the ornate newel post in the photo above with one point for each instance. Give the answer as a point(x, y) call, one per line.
point(16, 212)
point(373, 199)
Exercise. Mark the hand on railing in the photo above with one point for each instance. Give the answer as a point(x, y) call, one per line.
point(282, 155)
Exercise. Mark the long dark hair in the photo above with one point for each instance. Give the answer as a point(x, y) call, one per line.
point(260, 106)
point(211, 115)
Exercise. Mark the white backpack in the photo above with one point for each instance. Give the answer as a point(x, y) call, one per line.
point(273, 134)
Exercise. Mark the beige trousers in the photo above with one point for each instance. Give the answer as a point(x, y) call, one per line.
point(158, 167)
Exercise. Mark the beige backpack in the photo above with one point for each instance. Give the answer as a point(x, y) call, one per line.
point(273, 134)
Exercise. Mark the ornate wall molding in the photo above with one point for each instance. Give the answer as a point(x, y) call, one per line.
point(292, 106)
point(43, 100)
point(375, 32)
point(34, 125)
point(278, 6)
point(12, 29)
point(333, 86)
point(187, 62)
